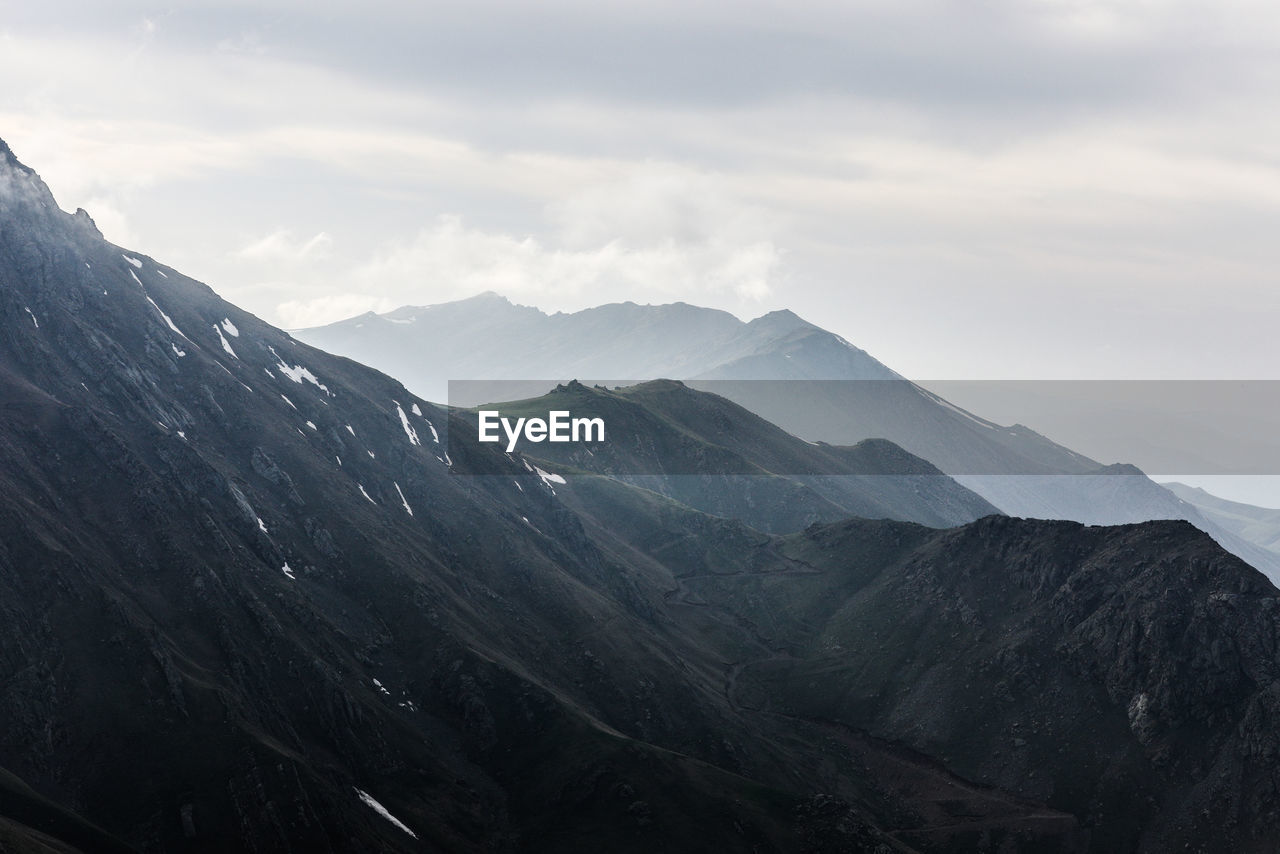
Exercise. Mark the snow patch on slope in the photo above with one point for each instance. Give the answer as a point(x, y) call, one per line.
point(408, 428)
point(166, 317)
point(407, 508)
point(382, 811)
point(225, 345)
point(298, 373)
point(548, 477)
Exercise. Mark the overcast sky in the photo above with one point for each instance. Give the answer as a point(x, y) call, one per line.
point(983, 189)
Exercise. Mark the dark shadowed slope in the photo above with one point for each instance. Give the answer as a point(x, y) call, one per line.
point(1128, 676)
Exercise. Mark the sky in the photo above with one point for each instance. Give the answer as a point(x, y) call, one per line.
point(989, 189)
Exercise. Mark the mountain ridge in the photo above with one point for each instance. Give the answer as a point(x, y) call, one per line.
point(810, 382)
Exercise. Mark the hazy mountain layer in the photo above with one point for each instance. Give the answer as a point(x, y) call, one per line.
point(488, 338)
point(1259, 525)
point(808, 381)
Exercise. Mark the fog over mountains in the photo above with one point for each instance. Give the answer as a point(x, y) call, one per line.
point(810, 382)
point(252, 602)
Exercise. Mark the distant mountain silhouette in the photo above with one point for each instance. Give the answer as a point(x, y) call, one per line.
point(806, 380)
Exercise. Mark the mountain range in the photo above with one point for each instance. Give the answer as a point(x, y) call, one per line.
point(802, 378)
point(474, 339)
point(1259, 525)
point(257, 597)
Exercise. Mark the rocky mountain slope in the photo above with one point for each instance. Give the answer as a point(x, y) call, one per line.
point(248, 605)
point(1125, 676)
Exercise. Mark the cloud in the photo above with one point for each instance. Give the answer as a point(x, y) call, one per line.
point(281, 246)
point(303, 313)
point(111, 221)
point(908, 154)
point(659, 202)
point(449, 260)
point(660, 231)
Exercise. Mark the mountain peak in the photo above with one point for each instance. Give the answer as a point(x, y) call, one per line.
point(10, 160)
point(82, 217)
point(20, 185)
point(487, 296)
point(7, 153)
point(782, 320)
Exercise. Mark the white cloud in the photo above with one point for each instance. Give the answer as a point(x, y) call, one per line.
point(907, 154)
point(282, 246)
point(303, 313)
point(450, 259)
point(657, 202)
point(659, 231)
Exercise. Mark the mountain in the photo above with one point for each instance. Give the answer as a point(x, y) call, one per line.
point(1124, 676)
point(484, 337)
point(794, 374)
point(1112, 677)
point(1259, 525)
point(251, 604)
point(713, 455)
point(246, 605)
